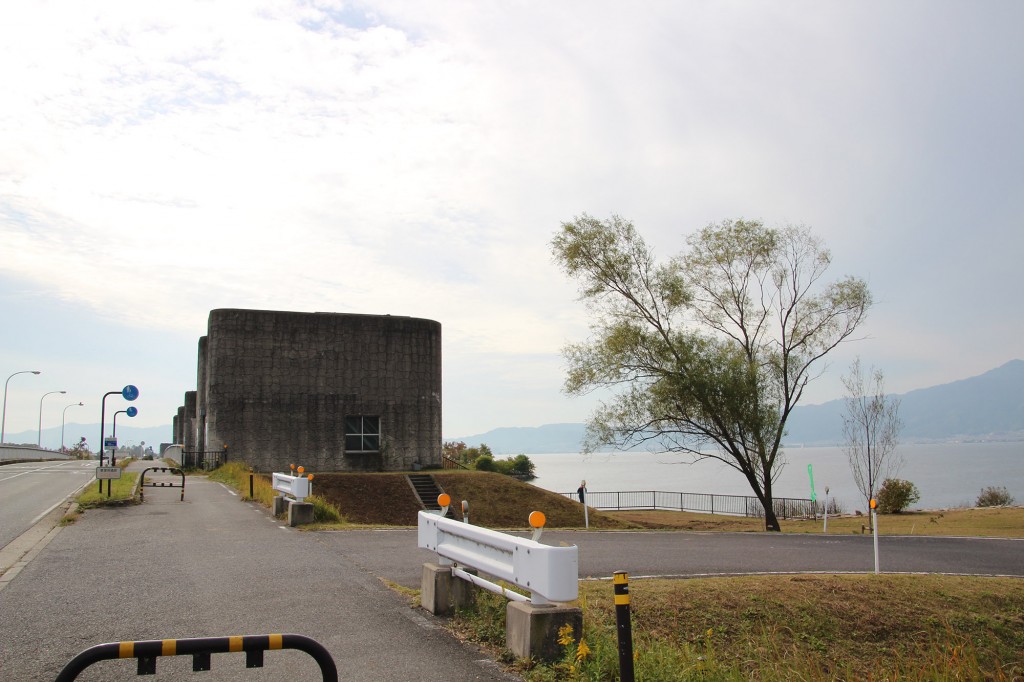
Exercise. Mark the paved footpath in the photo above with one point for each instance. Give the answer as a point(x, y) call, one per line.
point(207, 567)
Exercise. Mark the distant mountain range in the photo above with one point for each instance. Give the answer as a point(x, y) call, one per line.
point(986, 407)
point(126, 435)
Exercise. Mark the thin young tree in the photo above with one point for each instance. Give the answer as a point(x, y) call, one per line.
point(708, 353)
point(871, 429)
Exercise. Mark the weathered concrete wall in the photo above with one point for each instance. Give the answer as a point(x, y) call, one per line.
point(179, 429)
point(189, 429)
point(201, 397)
point(19, 452)
point(279, 386)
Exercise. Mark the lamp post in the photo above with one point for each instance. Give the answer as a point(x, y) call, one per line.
point(129, 393)
point(3, 420)
point(62, 418)
point(39, 439)
point(131, 412)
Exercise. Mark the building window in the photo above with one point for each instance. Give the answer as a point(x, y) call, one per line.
point(362, 434)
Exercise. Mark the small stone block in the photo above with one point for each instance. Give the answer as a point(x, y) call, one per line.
point(532, 631)
point(280, 504)
point(299, 513)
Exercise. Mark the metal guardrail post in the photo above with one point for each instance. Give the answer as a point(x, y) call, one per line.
point(200, 648)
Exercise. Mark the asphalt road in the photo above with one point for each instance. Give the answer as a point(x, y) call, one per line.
point(30, 489)
point(393, 553)
point(207, 567)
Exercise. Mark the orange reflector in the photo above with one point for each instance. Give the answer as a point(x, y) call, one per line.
point(301, 469)
point(444, 499)
point(874, 504)
point(537, 519)
point(310, 477)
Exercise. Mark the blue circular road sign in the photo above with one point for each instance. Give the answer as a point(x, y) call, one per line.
point(132, 411)
point(130, 392)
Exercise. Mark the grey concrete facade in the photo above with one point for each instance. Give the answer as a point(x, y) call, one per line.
point(328, 391)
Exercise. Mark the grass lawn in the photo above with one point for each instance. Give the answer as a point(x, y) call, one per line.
point(817, 627)
point(979, 522)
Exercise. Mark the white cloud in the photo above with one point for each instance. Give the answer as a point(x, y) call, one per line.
point(412, 159)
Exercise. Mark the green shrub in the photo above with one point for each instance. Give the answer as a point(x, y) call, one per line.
point(485, 463)
point(993, 496)
point(520, 466)
point(324, 511)
point(896, 495)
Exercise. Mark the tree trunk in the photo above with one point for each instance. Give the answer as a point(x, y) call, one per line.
point(771, 522)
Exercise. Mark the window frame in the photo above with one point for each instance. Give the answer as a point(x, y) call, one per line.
point(366, 435)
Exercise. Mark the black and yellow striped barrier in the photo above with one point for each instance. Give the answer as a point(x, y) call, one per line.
point(624, 626)
point(200, 649)
point(173, 470)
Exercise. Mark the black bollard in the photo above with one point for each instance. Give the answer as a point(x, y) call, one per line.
point(624, 626)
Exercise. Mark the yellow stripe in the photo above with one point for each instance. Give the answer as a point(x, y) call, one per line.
point(126, 650)
point(620, 579)
point(276, 641)
point(234, 643)
point(621, 599)
point(169, 647)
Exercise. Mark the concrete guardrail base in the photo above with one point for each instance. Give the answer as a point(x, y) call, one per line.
point(442, 593)
point(531, 631)
point(299, 513)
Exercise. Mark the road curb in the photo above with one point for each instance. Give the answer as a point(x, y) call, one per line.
point(18, 553)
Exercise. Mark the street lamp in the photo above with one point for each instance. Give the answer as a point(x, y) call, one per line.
point(63, 416)
point(39, 440)
point(3, 420)
point(129, 393)
point(131, 412)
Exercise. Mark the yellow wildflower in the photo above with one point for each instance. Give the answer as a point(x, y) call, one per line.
point(582, 651)
point(565, 637)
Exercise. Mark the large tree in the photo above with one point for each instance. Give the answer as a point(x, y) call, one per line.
point(871, 429)
point(709, 352)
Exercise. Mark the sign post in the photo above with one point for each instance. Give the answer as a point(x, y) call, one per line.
point(129, 393)
point(826, 510)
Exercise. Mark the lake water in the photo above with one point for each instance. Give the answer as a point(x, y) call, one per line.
point(946, 474)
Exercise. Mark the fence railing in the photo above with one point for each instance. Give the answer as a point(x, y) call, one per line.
point(449, 463)
point(708, 503)
point(199, 459)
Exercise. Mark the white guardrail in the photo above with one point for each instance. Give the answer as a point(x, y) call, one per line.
point(549, 573)
point(296, 486)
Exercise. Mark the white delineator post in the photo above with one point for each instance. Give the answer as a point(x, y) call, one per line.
point(874, 525)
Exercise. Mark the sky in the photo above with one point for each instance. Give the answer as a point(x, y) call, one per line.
point(158, 161)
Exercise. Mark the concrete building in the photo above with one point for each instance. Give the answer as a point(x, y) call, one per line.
point(328, 391)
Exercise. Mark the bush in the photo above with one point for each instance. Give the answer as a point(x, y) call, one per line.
point(896, 495)
point(994, 497)
point(485, 463)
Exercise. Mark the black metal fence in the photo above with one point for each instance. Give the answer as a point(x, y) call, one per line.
point(736, 505)
point(199, 459)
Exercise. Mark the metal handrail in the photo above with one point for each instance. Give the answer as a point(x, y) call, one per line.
point(735, 505)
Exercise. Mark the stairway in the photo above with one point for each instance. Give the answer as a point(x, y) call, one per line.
point(426, 489)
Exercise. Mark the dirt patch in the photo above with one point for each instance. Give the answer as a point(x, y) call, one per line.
point(495, 500)
point(374, 499)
